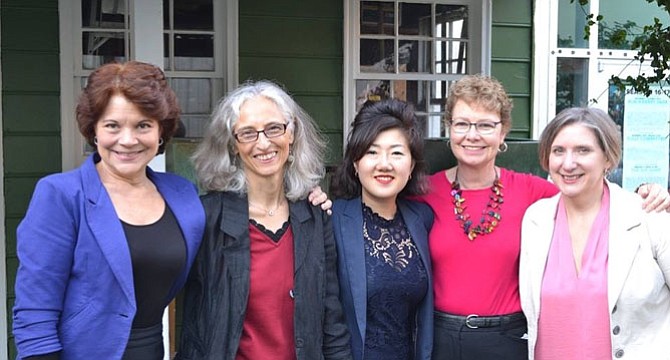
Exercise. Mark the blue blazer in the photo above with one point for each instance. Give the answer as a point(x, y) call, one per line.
point(348, 231)
point(74, 286)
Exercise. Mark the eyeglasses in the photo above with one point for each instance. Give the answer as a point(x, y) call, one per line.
point(270, 131)
point(482, 127)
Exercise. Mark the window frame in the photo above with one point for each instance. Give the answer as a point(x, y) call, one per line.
point(479, 59)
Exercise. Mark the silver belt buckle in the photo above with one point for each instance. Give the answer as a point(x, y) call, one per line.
point(467, 321)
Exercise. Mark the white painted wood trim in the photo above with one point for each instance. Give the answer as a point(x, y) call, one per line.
point(543, 23)
point(71, 141)
point(231, 74)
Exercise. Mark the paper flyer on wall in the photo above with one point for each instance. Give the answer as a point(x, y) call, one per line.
point(646, 138)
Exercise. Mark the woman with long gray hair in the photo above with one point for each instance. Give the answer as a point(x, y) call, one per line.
point(264, 284)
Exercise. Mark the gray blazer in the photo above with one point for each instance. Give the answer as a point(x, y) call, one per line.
point(218, 286)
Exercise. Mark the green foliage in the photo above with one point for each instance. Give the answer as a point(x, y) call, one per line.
point(652, 43)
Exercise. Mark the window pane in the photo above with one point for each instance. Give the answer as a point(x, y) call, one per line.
point(435, 126)
point(571, 21)
point(451, 25)
point(451, 21)
point(373, 90)
point(414, 19)
point(377, 56)
point(377, 18)
point(102, 47)
point(414, 92)
point(572, 81)
point(422, 121)
point(195, 101)
point(193, 15)
point(414, 56)
point(103, 14)
point(618, 16)
point(438, 98)
point(166, 14)
point(166, 52)
point(451, 57)
point(193, 52)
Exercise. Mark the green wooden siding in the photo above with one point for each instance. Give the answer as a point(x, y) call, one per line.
point(298, 44)
point(31, 113)
point(511, 58)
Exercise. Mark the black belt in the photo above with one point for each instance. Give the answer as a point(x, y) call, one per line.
point(475, 321)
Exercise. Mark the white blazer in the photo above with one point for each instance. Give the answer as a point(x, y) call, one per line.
point(638, 274)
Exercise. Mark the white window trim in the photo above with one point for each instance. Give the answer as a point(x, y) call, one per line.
point(71, 140)
point(350, 52)
point(543, 84)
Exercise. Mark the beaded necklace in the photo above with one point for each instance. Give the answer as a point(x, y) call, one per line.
point(490, 216)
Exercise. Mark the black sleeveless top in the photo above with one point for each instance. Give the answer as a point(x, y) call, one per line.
point(158, 254)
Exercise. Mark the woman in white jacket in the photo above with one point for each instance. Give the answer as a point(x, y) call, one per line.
point(594, 268)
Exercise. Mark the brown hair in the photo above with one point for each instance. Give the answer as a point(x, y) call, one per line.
point(140, 83)
point(481, 91)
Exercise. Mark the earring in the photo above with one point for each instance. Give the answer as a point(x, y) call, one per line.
point(233, 164)
point(503, 147)
point(95, 140)
point(291, 158)
point(160, 142)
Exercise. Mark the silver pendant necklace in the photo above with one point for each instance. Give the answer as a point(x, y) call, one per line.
point(269, 212)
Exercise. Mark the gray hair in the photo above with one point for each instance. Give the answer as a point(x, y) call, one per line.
point(217, 165)
point(603, 127)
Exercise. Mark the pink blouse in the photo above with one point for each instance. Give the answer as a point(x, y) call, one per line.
point(574, 317)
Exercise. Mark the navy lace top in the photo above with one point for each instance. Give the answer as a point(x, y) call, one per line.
point(396, 282)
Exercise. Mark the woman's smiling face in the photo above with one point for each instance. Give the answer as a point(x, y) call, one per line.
point(263, 157)
point(577, 163)
point(472, 148)
point(126, 139)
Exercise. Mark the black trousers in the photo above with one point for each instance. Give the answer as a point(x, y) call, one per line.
point(485, 338)
point(145, 344)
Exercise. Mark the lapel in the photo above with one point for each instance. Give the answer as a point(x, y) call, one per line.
point(189, 213)
point(417, 230)
point(351, 228)
point(235, 216)
point(543, 221)
point(106, 227)
point(301, 219)
point(624, 217)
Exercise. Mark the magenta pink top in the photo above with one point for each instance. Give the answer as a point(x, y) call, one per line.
point(574, 316)
point(481, 276)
